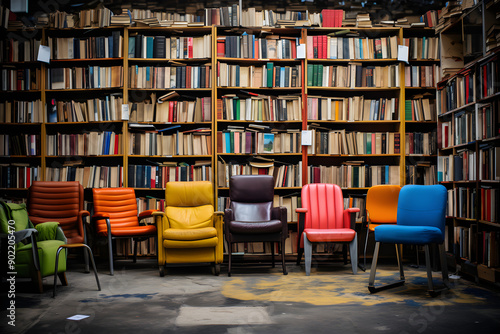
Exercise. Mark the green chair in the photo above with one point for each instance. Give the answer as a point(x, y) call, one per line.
point(35, 258)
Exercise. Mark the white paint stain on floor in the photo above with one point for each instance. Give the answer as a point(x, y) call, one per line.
point(198, 316)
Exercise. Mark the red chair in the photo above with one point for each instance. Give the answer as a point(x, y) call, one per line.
point(60, 201)
point(115, 216)
point(323, 218)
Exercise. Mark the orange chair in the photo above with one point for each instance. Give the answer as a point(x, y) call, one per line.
point(115, 216)
point(60, 201)
point(381, 208)
point(323, 218)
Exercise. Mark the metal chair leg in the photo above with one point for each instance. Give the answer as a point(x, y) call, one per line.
point(283, 256)
point(353, 252)
point(428, 266)
point(272, 254)
point(229, 256)
point(444, 266)
point(371, 282)
point(366, 245)
point(55, 271)
point(110, 250)
point(399, 256)
point(307, 254)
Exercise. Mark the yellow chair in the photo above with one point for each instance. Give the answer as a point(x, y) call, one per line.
point(189, 231)
point(381, 208)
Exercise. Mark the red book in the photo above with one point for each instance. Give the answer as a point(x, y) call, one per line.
point(188, 76)
point(221, 47)
point(28, 177)
point(117, 144)
point(315, 47)
point(170, 111)
point(325, 46)
point(316, 175)
point(293, 46)
point(396, 143)
point(190, 47)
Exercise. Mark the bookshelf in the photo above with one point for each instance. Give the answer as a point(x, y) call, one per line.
point(21, 111)
point(468, 144)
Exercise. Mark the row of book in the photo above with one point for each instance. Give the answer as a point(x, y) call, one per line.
point(464, 127)
point(458, 167)
point(85, 77)
point(488, 76)
point(354, 175)
point(421, 48)
point(84, 144)
point(20, 144)
point(157, 176)
point(162, 47)
point(99, 17)
point(20, 79)
point(86, 47)
point(340, 142)
point(458, 92)
point(250, 141)
point(486, 120)
point(423, 173)
point(352, 76)
point(489, 162)
point(92, 176)
point(338, 47)
point(170, 76)
point(462, 203)
point(421, 143)
point(19, 175)
point(285, 175)
point(269, 75)
point(197, 110)
point(19, 50)
point(22, 111)
point(490, 202)
point(421, 76)
point(189, 142)
point(420, 109)
point(477, 246)
point(250, 46)
point(259, 107)
point(355, 108)
point(91, 110)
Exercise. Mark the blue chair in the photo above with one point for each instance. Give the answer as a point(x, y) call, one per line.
point(420, 221)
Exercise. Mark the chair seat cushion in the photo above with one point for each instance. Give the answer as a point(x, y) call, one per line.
point(205, 243)
point(187, 234)
point(259, 227)
point(130, 231)
point(403, 234)
point(47, 251)
point(327, 235)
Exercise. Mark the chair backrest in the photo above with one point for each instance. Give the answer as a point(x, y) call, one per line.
point(251, 197)
point(325, 206)
point(422, 206)
point(119, 203)
point(382, 203)
point(59, 201)
point(189, 204)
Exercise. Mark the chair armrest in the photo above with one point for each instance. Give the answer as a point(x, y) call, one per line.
point(280, 213)
point(228, 217)
point(100, 216)
point(301, 210)
point(350, 217)
point(20, 235)
point(144, 215)
point(60, 235)
point(221, 213)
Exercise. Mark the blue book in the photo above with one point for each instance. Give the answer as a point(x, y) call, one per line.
point(91, 77)
point(52, 117)
point(282, 76)
point(131, 47)
point(148, 72)
point(147, 179)
point(110, 47)
point(169, 128)
point(227, 136)
point(149, 45)
point(386, 174)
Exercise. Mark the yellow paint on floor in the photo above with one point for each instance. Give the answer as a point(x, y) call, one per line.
point(335, 288)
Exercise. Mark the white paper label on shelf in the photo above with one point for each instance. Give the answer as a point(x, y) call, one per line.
point(306, 137)
point(403, 53)
point(125, 112)
point(301, 51)
point(44, 54)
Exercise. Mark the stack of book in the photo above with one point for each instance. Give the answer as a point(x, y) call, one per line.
point(363, 20)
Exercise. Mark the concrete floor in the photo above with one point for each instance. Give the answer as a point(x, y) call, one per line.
point(253, 300)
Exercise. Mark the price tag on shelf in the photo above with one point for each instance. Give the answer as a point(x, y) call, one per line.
point(125, 112)
point(306, 137)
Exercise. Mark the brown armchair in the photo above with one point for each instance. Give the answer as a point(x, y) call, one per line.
point(251, 216)
point(60, 201)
